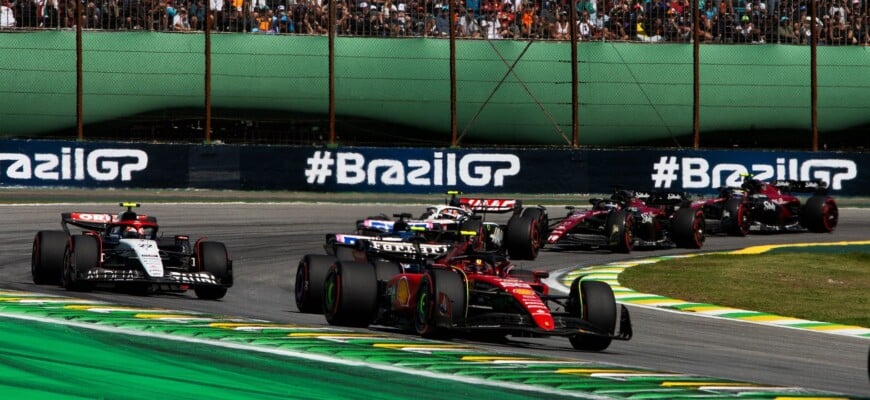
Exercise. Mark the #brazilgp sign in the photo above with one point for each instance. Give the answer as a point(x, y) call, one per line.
point(414, 170)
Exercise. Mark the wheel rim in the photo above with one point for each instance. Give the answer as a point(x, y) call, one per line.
point(423, 309)
point(626, 236)
point(536, 240)
point(67, 274)
point(332, 292)
point(830, 216)
point(742, 220)
point(34, 259)
point(301, 285)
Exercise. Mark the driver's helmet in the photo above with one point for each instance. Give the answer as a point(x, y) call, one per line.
point(131, 232)
point(480, 266)
point(624, 196)
point(449, 213)
point(607, 205)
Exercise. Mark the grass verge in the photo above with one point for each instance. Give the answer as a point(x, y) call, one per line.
point(820, 287)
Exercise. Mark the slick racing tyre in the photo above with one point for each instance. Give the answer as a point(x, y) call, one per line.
point(441, 303)
point(523, 237)
point(618, 228)
point(687, 228)
point(81, 255)
point(310, 275)
point(820, 214)
point(47, 259)
point(593, 302)
point(350, 294)
point(213, 258)
point(737, 223)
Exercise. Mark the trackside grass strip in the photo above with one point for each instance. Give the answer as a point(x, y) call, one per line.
point(819, 287)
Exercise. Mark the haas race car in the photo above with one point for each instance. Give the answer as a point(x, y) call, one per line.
point(631, 219)
point(125, 251)
point(520, 238)
point(439, 290)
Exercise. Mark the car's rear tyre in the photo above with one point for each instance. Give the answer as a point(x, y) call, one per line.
point(543, 224)
point(350, 294)
point(820, 214)
point(618, 229)
point(82, 254)
point(310, 275)
point(737, 223)
point(593, 302)
point(441, 303)
point(214, 259)
point(47, 258)
point(523, 237)
point(687, 228)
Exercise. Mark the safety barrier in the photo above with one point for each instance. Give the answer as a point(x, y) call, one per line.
point(412, 170)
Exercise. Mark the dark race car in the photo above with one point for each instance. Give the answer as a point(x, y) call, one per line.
point(775, 207)
point(630, 219)
point(125, 251)
point(726, 213)
point(409, 253)
point(520, 237)
point(447, 290)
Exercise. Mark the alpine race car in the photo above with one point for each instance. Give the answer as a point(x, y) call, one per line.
point(631, 219)
point(124, 250)
point(521, 237)
point(466, 292)
point(409, 253)
point(775, 207)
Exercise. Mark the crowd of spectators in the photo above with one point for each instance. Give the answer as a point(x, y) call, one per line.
point(839, 22)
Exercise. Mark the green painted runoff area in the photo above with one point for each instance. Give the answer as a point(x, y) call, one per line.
point(55, 362)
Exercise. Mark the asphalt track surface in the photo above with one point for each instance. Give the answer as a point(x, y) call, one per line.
point(267, 240)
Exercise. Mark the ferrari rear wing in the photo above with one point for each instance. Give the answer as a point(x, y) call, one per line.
point(354, 246)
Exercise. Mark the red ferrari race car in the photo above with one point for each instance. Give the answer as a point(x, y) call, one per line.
point(775, 207)
point(629, 220)
point(447, 289)
point(521, 237)
point(125, 251)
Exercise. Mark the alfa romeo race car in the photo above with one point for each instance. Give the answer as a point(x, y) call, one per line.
point(125, 251)
point(631, 219)
point(726, 213)
point(520, 238)
point(775, 207)
point(450, 289)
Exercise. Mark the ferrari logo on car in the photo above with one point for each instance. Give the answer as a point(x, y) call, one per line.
point(403, 293)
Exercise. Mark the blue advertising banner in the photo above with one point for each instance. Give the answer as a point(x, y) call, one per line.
point(705, 171)
point(92, 164)
point(404, 170)
point(414, 170)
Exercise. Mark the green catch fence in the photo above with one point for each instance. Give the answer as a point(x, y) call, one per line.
point(143, 80)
